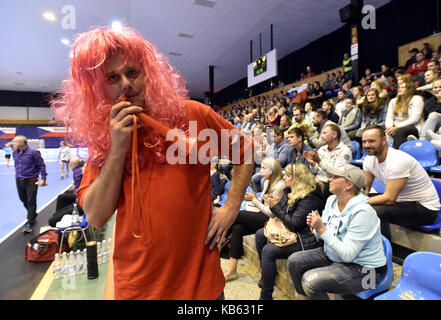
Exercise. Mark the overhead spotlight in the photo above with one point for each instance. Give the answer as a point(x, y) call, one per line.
point(65, 41)
point(49, 16)
point(117, 26)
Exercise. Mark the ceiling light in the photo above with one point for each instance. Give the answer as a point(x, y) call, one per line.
point(175, 54)
point(65, 41)
point(186, 35)
point(49, 16)
point(116, 26)
point(205, 3)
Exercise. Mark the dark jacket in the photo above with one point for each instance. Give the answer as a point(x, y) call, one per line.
point(294, 217)
point(432, 105)
point(216, 186)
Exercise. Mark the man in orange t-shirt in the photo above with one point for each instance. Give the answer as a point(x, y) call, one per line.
point(165, 238)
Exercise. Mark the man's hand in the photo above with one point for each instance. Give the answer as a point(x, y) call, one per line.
point(221, 221)
point(312, 157)
point(42, 183)
point(121, 125)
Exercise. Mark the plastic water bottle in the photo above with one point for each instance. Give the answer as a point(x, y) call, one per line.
point(75, 215)
point(99, 250)
point(71, 269)
point(63, 265)
point(104, 254)
point(57, 266)
point(79, 262)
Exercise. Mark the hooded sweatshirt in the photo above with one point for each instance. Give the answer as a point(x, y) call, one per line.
point(357, 238)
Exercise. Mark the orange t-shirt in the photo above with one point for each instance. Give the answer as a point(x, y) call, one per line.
point(170, 261)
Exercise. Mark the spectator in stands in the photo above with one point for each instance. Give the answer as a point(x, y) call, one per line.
point(309, 72)
point(216, 184)
point(347, 66)
point(435, 66)
point(247, 221)
point(436, 56)
point(339, 80)
point(301, 196)
point(383, 94)
point(373, 111)
point(329, 107)
point(285, 123)
point(418, 67)
point(64, 158)
point(273, 117)
point(296, 139)
point(412, 58)
point(65, 201)
point(368, 76)
point(432, 108)
point(318, 94)
point(341, 96)
point(410, 198)
point(427, 51)
point(350, 119)
point(350, 230)
point(332, 154)
point(328, 84)
point(359, 95)
point(426, 90)
point(28, 166)
point(364, 84)
point(320, 121)
point(249, 123)
point(309, 111)
point(279, 149)
point(300, 120)
point(237, 123)
point(404, 114)
point(391, 84)
point(116, 63)
point(7, 150)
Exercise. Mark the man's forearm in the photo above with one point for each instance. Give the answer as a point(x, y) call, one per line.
point(101, 198)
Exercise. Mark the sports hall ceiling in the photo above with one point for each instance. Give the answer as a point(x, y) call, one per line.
point(193, 34)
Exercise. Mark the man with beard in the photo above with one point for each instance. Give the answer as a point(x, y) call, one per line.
point(410, 198)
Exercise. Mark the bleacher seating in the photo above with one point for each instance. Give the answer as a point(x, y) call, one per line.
point(423, 151)
point(436, 226)
point(420, 278)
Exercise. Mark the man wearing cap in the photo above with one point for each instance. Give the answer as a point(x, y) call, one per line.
point(350, 230)
point(412, 58)
point(410, 198)
point(28, 166)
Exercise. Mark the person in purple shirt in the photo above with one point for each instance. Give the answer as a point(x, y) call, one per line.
point(28, 166)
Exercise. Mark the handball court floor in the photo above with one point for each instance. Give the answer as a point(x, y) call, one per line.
point(18, 277)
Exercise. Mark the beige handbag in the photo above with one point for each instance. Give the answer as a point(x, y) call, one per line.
point(278, 234)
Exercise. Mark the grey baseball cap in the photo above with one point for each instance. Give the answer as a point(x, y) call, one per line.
point(352, 173)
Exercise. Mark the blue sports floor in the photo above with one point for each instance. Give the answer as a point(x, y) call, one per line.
point(12, 212)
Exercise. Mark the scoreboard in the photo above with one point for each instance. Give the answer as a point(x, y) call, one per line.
point(259, 66)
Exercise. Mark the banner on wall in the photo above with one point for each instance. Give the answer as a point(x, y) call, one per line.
point(52, 132)
point(7, 133)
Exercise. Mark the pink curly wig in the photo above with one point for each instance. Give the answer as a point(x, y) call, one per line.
point(84, 107)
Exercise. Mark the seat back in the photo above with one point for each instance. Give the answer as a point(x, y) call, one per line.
point(356, 153)
point(423, 151)
point(436, 225)
point(421, 275)
point(386, 277)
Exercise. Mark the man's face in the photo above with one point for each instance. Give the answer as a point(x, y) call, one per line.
point(348, 103)
point(317, 120)
point(341, 95)
point(278, 139)
point(18, 143)
point(432, 66)
point(294, 140)
point(298, 116)
point(419, 56)
point(372, 142)
point(125, 80)
point(328, 135)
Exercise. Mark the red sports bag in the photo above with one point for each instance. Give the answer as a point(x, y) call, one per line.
point(44, 247)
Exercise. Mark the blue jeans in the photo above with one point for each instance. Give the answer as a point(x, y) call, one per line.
point(268, 255)
point(314, 275)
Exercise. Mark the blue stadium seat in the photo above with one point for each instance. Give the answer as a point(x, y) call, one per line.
point(386, 278)
point(420, 278)
point(223, 197)
point(378, 186)
point(423, 151)
point(356, 154)
point(436, 226)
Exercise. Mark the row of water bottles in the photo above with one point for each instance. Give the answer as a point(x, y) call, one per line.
point(75, 262)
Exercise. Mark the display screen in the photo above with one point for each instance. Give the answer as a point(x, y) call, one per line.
point(262, 69)
point(259, 66)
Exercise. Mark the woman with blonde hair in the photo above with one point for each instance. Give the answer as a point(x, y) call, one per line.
point(405, 113)
point(359, 95)
point(302, 194)
point(256, 214)
point(378, 84)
